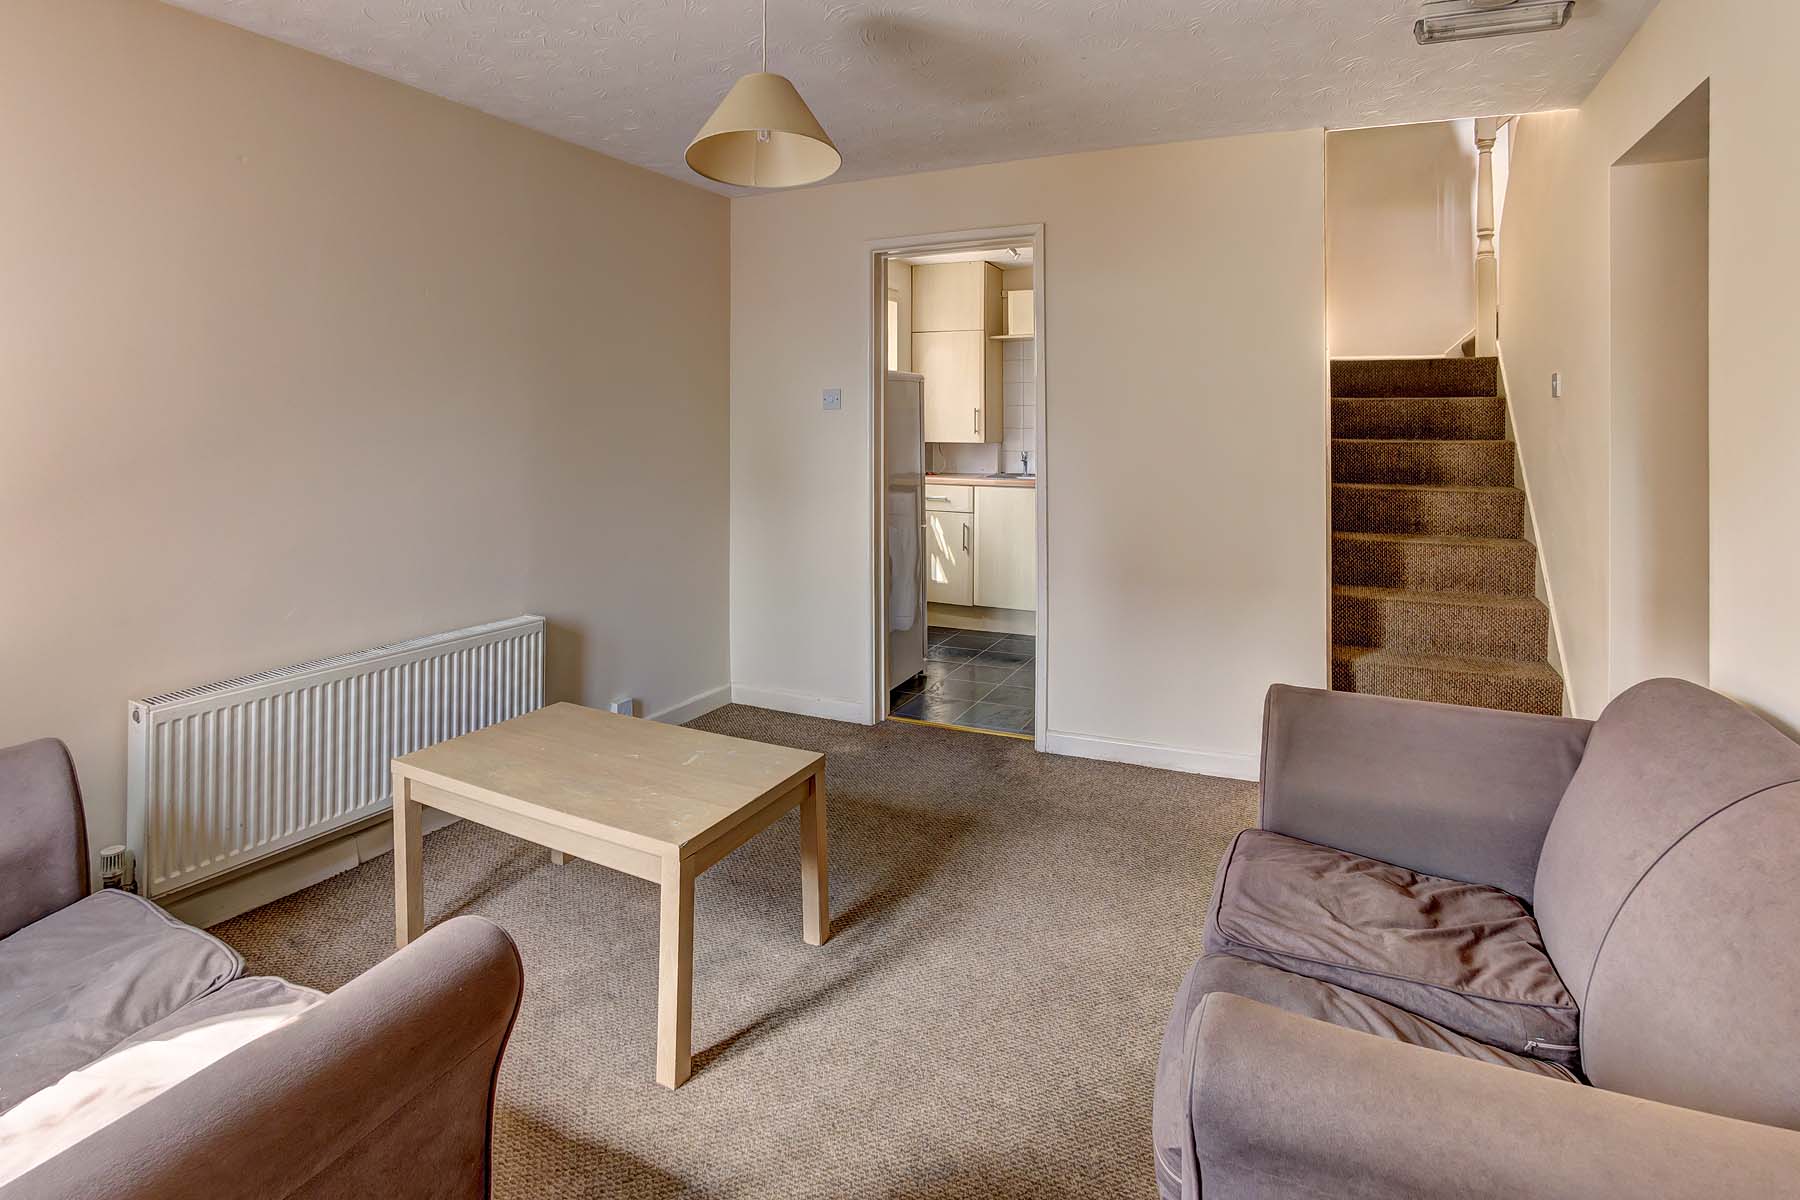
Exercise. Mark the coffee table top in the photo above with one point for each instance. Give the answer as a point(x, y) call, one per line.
point(638, 783)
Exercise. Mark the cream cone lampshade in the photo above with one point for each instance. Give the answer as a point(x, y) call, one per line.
point(763, 135)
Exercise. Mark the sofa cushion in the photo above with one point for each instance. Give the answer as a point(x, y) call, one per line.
point(78, 982)
point(1465, 956)
point(1305, 997)
point(144, 1066)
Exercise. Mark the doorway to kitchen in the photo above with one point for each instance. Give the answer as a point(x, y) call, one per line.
point(958, 449)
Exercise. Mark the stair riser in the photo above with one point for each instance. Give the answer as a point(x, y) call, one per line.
point(1475, 514)
point(1473, 464)
point(1465, 418)
point(1444, 687)
point(1519, 633)
point(1416, 377)
point(1505, 570)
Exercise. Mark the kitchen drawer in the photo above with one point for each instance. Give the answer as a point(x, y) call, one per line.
point(949, 497)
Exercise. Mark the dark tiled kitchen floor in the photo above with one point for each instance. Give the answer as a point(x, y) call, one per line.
point(984, 681)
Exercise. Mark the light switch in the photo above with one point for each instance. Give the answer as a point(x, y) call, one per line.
point(834, 399)
point(1556, 385)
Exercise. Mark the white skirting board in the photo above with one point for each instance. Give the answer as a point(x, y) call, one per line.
point(1151, 754)
point(318, 863)
point(694, 706)
point(286, 876)
point(802, 703)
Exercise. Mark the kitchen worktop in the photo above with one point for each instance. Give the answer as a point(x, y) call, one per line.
point(1023, 481)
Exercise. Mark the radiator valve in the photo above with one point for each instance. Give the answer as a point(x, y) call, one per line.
point(115, 869)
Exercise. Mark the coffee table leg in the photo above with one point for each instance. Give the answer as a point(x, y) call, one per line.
point(558, 857)
point(815, 875)
point(675, 975)
point(409, 877)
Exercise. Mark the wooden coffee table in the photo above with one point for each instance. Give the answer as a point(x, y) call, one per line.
point(661, 802)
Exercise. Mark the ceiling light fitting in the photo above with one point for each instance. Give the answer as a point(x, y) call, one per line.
point(1460, 20)
point(762, 135)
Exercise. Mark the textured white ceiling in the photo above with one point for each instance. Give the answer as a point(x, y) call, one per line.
point(945, 83)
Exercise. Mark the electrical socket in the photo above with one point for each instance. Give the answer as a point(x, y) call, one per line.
point(834, 399)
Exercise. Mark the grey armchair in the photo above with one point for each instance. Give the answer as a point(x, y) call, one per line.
point(1434, 893)
point(383, 1088)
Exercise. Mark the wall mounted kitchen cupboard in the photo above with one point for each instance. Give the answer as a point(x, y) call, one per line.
point(956, 312)
point(956, 297)
point(1021, 316)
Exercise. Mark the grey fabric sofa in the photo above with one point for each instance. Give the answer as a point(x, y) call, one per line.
point(384, 1088)
point(1482, 954)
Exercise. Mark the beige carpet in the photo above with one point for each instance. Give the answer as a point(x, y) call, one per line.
point(1010, 928)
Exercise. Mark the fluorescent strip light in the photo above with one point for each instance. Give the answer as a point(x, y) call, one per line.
point(1461, 24)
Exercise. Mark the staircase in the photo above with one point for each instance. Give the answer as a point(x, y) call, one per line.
point(1434, 584)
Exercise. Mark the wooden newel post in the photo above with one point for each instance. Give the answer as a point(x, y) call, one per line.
point(1487, 264)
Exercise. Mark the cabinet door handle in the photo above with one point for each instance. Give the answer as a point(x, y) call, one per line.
point(977, 422)
point(965, 537)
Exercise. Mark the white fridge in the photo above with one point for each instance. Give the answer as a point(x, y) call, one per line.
point(903, 457)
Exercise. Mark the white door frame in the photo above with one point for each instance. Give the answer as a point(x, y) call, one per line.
point(879, 250)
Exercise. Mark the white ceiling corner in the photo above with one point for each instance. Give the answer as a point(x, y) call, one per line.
point(905, 87)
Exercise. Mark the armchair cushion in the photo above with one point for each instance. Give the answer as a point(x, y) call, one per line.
point(1462, 955)
point(1303, 997)
point(85, 978)
point(144, 1066)
point(1282, 1107)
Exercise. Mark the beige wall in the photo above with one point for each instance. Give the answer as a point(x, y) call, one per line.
point(1556, 316)
point(1185, 411)
point(1657, 531)
point(295, 360)
point(1400, 227)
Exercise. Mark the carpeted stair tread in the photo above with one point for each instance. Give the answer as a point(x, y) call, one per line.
point(1443, 598)
point(1530, 687)
point(1474, 510)
point(1451, 418)
point(1457, 625)
point(1444, 461)
point(1415, 377)
point(1433, 539)
point(1434, 562)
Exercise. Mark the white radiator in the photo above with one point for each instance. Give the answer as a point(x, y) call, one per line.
point(233, 773)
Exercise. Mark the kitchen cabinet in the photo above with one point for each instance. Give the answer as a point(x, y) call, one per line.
point(950, 558)
point(949, 497)
point(962, 392)
point(1021, 314)
point(1006, 547)
point(957, 311)
point(956, 297)
point(981, 545)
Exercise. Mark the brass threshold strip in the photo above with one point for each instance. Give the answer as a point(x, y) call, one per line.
point(1020, 737)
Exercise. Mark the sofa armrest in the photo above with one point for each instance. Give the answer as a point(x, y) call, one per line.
point(43, 852)
point(1285, 1106)
point(385, 1088)
point(1466, 793)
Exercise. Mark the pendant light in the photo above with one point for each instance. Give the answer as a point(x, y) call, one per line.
point(762, 134)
